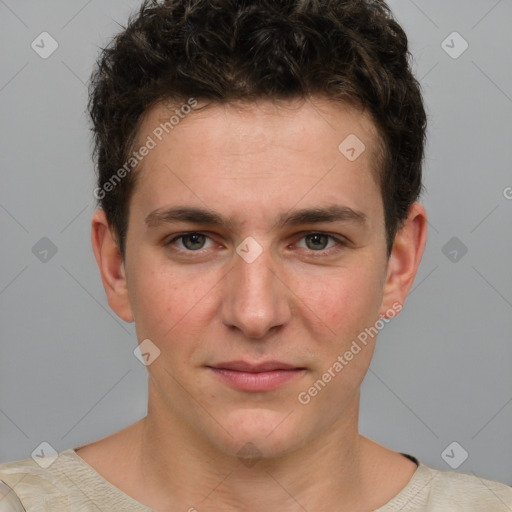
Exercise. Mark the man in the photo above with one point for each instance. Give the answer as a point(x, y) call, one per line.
point(259, 169)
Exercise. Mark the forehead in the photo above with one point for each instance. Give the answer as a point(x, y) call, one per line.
point(265, 122)
point(248, 153)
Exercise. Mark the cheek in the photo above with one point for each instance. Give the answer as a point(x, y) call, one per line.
point(166, 302)
point(344, 302)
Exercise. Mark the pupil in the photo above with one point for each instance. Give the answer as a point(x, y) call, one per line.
point(317, 240)
point(196, 241)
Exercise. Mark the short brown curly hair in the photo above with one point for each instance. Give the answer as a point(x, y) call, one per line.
point(226, 50)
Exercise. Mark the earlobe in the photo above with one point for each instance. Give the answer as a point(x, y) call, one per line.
point(111, 266)
point(405, 258)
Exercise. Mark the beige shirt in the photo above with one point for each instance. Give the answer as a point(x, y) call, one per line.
point(69, 484)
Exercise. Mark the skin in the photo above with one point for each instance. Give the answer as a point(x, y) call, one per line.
point(302, 301)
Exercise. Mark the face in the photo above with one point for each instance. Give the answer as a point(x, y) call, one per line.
point(255, 258)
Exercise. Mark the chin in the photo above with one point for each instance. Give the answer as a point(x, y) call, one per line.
point(259, 433)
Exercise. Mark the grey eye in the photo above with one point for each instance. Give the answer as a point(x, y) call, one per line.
point(317, 241)
point(193, 241)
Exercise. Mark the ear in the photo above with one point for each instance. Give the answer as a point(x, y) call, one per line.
point(404, 259)
point(111, 266)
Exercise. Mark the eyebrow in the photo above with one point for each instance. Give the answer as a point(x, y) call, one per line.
point(333, 213)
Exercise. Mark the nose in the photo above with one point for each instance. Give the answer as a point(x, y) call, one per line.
point(256, 300)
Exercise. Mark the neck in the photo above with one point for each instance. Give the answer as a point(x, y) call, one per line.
point(186, 471)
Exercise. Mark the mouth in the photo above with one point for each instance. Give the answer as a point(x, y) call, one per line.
point(256, 377)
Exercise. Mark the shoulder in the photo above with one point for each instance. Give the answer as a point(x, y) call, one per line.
point(35, 486)
point(432, 490)
point(60, 483)
point(469, 491)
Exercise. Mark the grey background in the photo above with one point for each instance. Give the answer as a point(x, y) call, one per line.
point(442, 370)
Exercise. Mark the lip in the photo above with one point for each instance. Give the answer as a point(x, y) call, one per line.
point(243, 366)
point(256, 377)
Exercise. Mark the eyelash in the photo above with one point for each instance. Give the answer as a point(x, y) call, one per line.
point(341, 242)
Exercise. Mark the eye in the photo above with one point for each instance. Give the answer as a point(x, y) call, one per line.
point(319, 242)
point(191, 241)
